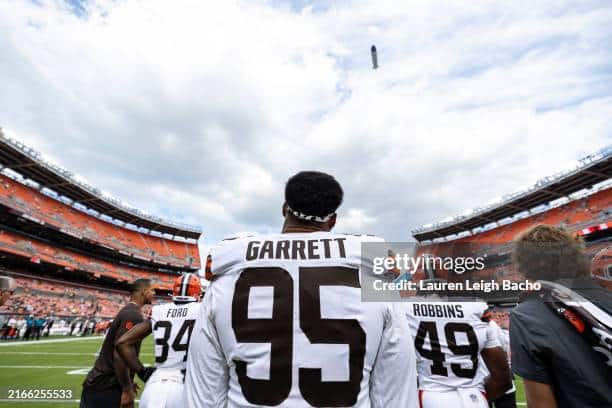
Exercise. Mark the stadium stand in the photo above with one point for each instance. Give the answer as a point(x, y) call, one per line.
point(579, 200)
point(57, 298)
point(73, 249)
point(592, 174)
point(47, 210)
point(576, 216)
point(39, 252)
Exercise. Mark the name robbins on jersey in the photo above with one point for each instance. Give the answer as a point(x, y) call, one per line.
point(296, 249)
point(431, 310)
point(467, 285)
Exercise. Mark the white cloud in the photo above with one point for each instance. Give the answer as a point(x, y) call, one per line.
point(356, 219)
point(200, 111)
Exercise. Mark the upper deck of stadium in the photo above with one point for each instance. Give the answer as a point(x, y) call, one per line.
point(592, 174)
point(41, 193)
point(29, 164)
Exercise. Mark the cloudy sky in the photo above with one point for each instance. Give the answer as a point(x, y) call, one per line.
point(199, 111)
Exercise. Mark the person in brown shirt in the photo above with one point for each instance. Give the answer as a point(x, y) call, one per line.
point(110, 382)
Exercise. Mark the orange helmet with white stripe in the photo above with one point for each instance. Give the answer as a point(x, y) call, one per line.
point(601, 267)
point(187, 288)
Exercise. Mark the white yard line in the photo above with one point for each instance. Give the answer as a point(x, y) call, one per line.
point(49, 353)
point(23, 343)
point(66, 401)
point(42, 401)
point(41, 366)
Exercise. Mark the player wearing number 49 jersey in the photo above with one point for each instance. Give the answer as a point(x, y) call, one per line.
point(453, 340)
point(171, 324)
point(283, 323)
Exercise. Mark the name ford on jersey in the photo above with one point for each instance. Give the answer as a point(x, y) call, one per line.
point(182, 312)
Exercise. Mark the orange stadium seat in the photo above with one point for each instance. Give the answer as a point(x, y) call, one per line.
point(53, 212)
point(574, 216)
point(38, 251)
point(46, 297)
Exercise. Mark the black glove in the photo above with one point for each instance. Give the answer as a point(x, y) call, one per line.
point(145, 373)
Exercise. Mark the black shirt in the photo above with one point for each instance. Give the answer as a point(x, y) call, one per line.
point(546, 349)
point(102, 375)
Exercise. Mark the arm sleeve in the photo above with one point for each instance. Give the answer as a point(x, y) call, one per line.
point(527, 359)
point(207, 378)
point(393, 380)
point(493, 339)
point(153, 317)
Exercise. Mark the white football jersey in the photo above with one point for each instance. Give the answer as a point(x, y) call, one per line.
point(172, 325)
point(503, 336)
point(283, 325)
point(448, 338)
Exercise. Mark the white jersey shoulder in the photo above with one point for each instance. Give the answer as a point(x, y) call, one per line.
point(449, 337)
point(172, 325)
point(237, 252)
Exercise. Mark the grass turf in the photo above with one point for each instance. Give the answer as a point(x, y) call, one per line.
point(49, 366)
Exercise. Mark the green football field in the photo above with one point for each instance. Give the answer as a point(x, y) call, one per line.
point(61, 364)
point(54, 365)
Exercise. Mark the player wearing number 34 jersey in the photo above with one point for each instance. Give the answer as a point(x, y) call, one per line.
point(453, 342)
point(172, 325)
point(283, 323)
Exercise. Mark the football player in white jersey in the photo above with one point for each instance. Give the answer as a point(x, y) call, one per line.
point(452, 344)
point(283, 323)
point(508, 400)
point(172, 325)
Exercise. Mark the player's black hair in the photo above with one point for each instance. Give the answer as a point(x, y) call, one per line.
point(313, 193)
point(139, 284)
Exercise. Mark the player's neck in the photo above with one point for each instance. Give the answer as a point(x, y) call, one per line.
point(137, 302)
point(295, 227)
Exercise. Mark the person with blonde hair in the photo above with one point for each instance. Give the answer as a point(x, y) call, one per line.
point(560, 336)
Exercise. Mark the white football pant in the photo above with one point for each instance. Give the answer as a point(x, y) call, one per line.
point(458, 398)
point(163, 390)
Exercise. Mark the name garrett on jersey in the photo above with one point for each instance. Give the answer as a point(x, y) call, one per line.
point(296, 249)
